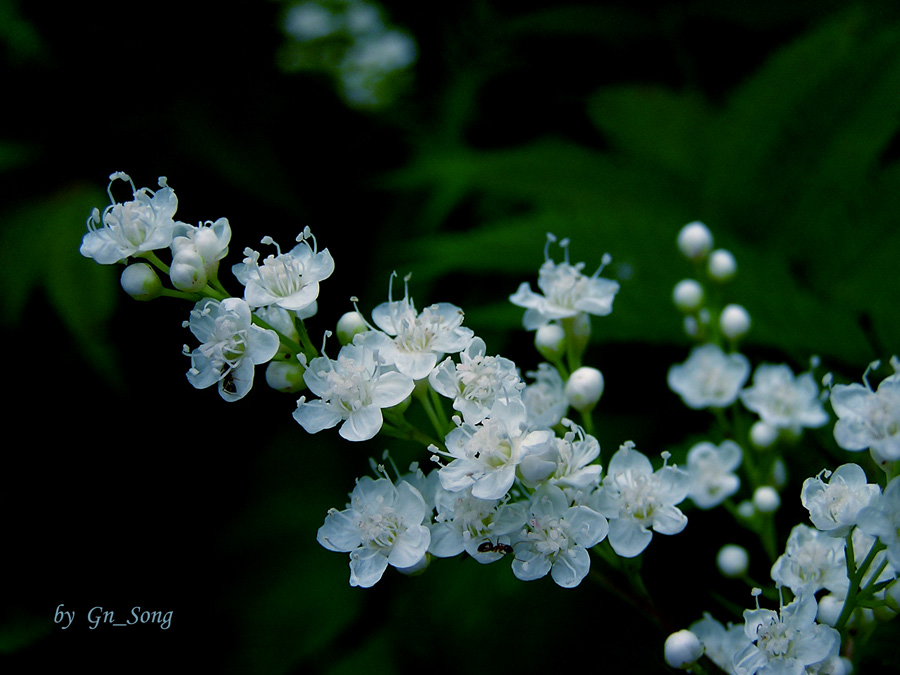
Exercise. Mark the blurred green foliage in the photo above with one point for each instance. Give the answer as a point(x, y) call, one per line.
point(612, 124)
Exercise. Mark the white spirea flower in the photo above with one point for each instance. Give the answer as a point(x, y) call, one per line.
point(695, 240)
point(882, 519)
point(584, 388)
point(733, 560)
point(384, 524)
point(556, 538)
point(477, 381)
point(712, 472)
point(545, 399)
point(636, 499)
point(869, 419)
point(352, 390)
point(417, 341)
point(289, 280)
point(787, 641)
point(480, 527)
point(566, 291)
point(720, 643)
point(709, 377)
point(575, 454)
point(783, 400)
point(834, 506)
point(141, 225)
point(485, 456)
point(196, 252)
point(682, 648)
point(811, 561)
point(231, 346)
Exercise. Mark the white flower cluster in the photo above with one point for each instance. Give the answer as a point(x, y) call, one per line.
point(512, 476)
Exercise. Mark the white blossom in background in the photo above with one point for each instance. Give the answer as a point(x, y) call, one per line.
point(636, 499)
point(556, 538)
point(485, 457)
point(867, 419)
point(545, 398)
point(129, 229)
point(477, 382)
point(417, 340)
point(352, 389)
point(834, 506)
point(384, 524)
point(709, 377)
point(783, 400)
point(712, 469)
point(480, 527)
point(231, 346)
point(787, 641)
point(811, 561)
point(565, 291)
point(882, 519)
point(720, 643)
point(289, 280)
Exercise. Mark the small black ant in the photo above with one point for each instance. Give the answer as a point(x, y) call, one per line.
point(488, 546)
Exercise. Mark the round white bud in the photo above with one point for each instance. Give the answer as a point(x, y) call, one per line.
point(763, 435)
point(682, 649)
point(550, 341)
point(766, 499)
point(746, 510)
point(733, 561)
point(584, 388)
point(688, 295)
point(695, 241)
point(285, 376)
point(188, 272)
point(721, 265)
point(830, 607)
point(734, 322)
point(141, 282)
point(350, 325)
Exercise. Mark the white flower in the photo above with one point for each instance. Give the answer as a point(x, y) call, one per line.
point(712, 472)
point(812, 561)
point(682, 648)
point(477, 382)
point(783, 400)
point(575, 454)
point(196, 252)
point(567, 292)
point(485, 457)
point(785, 643)
point(869, 419)
point(480, 527)
point(720, 644)
point(882, 520)
point(709, 378)
point(231, 346)
point(556, 537)
point(834, 506)
point(636, 499)
point(290, 280)
point(419, 340)
point(353, 389)
point(141, 225)
point(584, 388)
point(545, 399)
point(382, 525)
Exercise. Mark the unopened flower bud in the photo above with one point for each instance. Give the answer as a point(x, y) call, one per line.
point(550, 341)
point(188, 273)
point(285, 376)
point(682, 649)
point(721, 265)
point(141, 282)
point(695, 240)
point(766, 499)
point(734, 322)
point(763, 435)
point(349, 325)
point(688, 295)
point(733, 561)
point(830, 607)
point(584, 388)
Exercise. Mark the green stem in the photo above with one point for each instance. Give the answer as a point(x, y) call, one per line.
point(285, 340)
point(422, 396)
point(855, 593)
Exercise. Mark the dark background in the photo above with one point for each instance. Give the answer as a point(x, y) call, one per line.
point(612, 123)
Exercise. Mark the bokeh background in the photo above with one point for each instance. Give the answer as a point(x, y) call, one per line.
point(442, 140)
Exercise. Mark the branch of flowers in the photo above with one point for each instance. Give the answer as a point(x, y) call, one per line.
point(206, 291)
